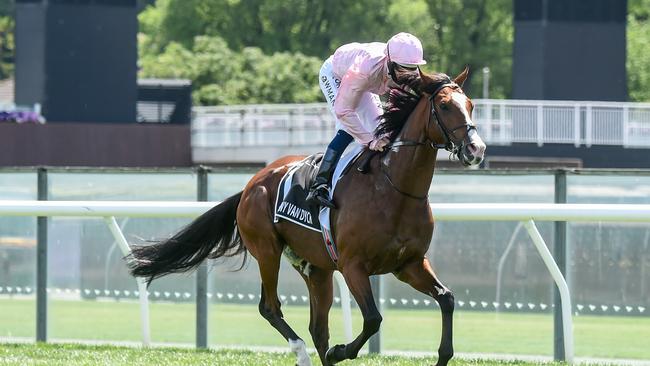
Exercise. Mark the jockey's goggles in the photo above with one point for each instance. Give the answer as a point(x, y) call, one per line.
point(398, 71)
point(407, 67)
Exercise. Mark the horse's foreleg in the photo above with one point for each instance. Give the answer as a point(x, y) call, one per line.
point(359, 284)
point(421, 277)
point(321, 295)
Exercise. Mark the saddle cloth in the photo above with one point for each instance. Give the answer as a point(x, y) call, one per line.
point(290, 202)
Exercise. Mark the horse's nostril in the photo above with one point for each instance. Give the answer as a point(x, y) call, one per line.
point(475, 149)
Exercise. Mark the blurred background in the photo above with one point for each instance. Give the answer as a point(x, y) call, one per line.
point(125, 99)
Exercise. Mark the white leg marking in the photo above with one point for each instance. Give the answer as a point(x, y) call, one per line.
point(441, 290)
point(298, 347)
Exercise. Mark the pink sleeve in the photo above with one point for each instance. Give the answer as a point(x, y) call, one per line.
point(346, 104)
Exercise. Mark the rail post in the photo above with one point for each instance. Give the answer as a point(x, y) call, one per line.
point(202, 272)
point(560, 255)
point(41, 260)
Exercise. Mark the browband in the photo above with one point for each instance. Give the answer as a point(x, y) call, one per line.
point(450, 83)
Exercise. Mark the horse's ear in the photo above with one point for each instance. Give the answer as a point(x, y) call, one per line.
point(460, 79)
point(426, 82)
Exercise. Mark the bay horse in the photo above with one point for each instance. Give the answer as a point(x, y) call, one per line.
point(383, 223)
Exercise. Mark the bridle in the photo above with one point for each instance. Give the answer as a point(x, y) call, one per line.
point(451, 142)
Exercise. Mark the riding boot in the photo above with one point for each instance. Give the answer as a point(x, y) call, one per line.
point(319, 192)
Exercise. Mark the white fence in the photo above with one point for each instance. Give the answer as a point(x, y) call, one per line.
point(501, 122)
point(523, 212)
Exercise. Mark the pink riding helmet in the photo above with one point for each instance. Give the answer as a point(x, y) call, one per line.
point(405, 49)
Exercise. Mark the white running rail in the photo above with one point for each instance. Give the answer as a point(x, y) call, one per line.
point(500, 121)
point(526, 213)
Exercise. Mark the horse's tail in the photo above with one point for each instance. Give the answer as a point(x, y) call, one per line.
point(212, 235)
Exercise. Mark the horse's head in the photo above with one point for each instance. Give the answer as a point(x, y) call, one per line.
point(450, 125)
point(433, 111)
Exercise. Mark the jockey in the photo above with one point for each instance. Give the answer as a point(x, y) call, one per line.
point(352, 80)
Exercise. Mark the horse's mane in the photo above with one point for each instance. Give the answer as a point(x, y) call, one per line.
point(401, 102)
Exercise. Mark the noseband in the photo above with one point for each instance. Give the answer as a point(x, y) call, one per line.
point(449, 144)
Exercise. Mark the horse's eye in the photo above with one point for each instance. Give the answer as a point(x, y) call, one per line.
point(444, 106)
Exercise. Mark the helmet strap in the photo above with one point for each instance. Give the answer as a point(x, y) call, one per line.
point(391, 66)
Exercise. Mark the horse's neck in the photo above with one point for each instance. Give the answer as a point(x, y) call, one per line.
point(410, 168)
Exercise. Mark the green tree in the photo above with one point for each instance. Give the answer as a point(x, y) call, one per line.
point(454, 32)
point(6, 47)
point(478, 33)
point(638, 44)
point(312, 27)
point(7, 51)
point(223, 76)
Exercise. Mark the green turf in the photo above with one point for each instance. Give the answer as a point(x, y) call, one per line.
point(70, 354)
point(407, 330)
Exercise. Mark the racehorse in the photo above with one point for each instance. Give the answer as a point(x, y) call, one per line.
point(383, 223)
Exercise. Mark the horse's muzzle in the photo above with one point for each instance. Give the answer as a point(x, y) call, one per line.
point(473, 150)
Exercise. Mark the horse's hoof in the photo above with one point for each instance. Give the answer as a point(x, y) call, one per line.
point(335, 354)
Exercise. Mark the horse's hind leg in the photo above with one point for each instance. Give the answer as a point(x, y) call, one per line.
point(358, 282)
point(421, 277)
point(261, 240)
point(319, 283)
point(269, 263)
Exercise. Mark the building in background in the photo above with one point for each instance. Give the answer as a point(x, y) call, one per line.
point(570, 50)
point(77, 60)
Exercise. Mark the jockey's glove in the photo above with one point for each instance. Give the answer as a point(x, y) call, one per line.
point(378, 143)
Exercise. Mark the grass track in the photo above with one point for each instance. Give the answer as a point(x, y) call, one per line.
point(406, 330)
point(70, 354)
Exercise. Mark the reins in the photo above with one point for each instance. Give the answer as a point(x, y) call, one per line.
point(390, 181)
